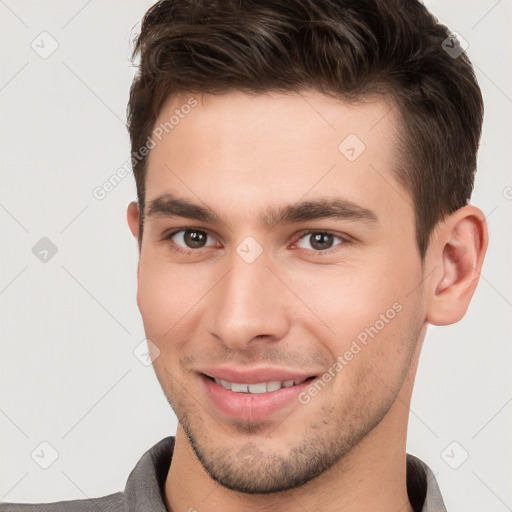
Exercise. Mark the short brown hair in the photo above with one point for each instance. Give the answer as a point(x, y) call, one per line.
point(346, 48)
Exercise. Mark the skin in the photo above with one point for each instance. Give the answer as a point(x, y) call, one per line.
point(295, 306)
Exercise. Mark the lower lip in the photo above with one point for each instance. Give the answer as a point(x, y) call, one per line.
point(248, 406)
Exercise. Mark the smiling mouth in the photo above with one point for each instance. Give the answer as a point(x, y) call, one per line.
point(258, 387)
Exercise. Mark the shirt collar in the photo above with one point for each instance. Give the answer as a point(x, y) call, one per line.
point(422, 488)
point(145, 488)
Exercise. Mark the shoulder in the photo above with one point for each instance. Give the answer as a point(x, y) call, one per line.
point(111, 503)
point(143, 490)
point(422, 487)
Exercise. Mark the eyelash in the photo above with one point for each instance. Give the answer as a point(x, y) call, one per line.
point(345, 239)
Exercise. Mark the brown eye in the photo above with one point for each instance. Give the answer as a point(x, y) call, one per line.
point(191, 239)
point(318, 241)
point(195, 239)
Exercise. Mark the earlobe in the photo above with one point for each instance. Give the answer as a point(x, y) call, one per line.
point(459, 249)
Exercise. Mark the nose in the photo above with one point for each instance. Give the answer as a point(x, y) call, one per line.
point(249, 305)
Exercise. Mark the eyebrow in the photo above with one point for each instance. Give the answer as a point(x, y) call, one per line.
point(167, 205)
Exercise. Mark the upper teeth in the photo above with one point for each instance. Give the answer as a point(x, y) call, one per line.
point(259, 387)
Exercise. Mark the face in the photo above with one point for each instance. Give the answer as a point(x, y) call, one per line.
point(278, 246)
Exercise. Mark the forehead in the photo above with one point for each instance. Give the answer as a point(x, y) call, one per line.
point(244, 151)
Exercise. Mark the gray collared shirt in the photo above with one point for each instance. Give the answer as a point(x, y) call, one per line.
point(144, 491)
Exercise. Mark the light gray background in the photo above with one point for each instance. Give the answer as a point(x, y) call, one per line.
point(69, 326)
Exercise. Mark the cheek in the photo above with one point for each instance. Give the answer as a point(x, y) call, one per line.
point(370, 304)
point(166, 297)
point(347, 299)
point(155, 299)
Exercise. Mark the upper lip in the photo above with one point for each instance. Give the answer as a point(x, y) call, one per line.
point(254, 375)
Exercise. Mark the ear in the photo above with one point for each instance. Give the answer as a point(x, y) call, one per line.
point(456, 253)
point(133, 218)
point(132, 215)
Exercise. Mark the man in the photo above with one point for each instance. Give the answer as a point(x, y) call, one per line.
point(303, 171)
